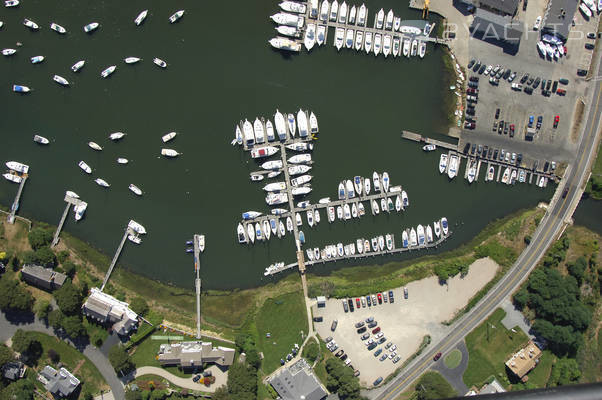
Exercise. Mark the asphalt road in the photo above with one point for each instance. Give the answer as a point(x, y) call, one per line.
point(551, 226)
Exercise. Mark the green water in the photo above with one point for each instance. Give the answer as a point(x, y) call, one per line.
point(221, 69)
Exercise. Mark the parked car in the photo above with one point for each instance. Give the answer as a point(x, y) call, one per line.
point(528, 90)
point(344, 357)
point(391, 299)
point(339, 353)
point(385, 298)
point(376, 330)
point(473, 79)
point(350, 302)
point(369, 319)
point(328, 339)
point(363, 302)
point(482, 69)
point(359, 324)
point(361, 330)
point(494, 126)
point(548, 84)
point(512, 77)
point(369, 342)
point(388, 345)
point(495, 153)
point(589, 46)
point(382, 340)
point(476, 66)
point(561, 92)
point(380, 298)
point(591, 35)
point(334, 325)
point(379, 335)
point(469, 125)
point(536, 83)
point(374, 299)
point(393, 348)
point(524, 78)
point(537, 23)
point(383, 357)
point(369, 301)
point(378, 381)
point(507, 74)
point(365, 336)
point(511, 130)
point(405, 293)
point(345, 306)
point(358, 304)
point(556, 119)
point(437, 356)
point(396, 359)
point(318, 319)
point(372, 324)
point(372, 346)
point(377, 352)
point(392, 354)
point(196, 378)
point(471, 63)
point(531, 119)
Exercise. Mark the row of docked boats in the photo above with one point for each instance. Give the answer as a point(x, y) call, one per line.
point(449, 164)
point(377, 43)
point(15, 172)
point(285, 127)
point(80, 206)
point(136, 230)
point(264, 230)
point(360, 186)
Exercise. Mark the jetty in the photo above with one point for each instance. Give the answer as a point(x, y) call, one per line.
point(15, 205)
point(71, 201)
point(197, 282)
point(128, 231)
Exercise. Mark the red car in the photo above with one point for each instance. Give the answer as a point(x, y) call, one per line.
point(376, 330)
point(511, 130)
point(380, 298)
point(556, 119)
point(357, 302)
point(437, 356)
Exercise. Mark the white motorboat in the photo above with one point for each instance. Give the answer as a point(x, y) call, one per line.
point(298, 169)
point(11, 3)
point(240, 232)
point(289, 224)
point(349, 189)
point(359, 243)
point(406, 47)
point(300, 159)
point(160, 63)
point(453, 166)
point(380, 19)
point(30, 24)
point(122, 160)
point(324, 200)
point(283, 18)
point(421, 236)
point(275, 187)
point(429, 147)
point(404, 239)
point(389, 20)
point(278, 211)
point(442, 163)
point(60, 80)
point(324, 7)
point(513, 175)
point(85, 167)
point(490, 173)
point(91, 27)
point(274, 164)
point(281, 229)
point(316, 216)
point(376, 181)
point(247, 130)
point(358, 184)
point(79, 210)
point(359, 40)
point(77, 66)
point(313, 11)
point(339, 212)
point(339, 37)
point(176, 16)
point(135, 189)
point(266, 151)
point(257, 177)
point(414, 47)
point(169, 153)
point(506, 176)
point(472, 171)
point(377, 43)
point(301, 180)
point(389, 241)
point(251, 233)
point(331, 214)
point(310, 37)
point(429, 234)
point(396, 23)
point(108, 71)
point(444, 226)
point(134, 239)
point(302, 123)
point(266, 229)
point(57, 28)
point(290, 120)
point(300, 146)
point(259, 131)
point(238, 135)
point(346, 212)
point(422, 49)
point(367, 186)
point(300, 191)
point(368, 42)
point(8, 52)
point(40, 139)
point(381, 243)
point(291, 31)
point(361, 15)
point(334, 10)
point(298, 219)
point(280, 125)
point(405, 202)
point(387, 45)
point(398, 203)
point(116, 136)
point(247, 215)
point(342, 192)
point(95, 146)
point(310, 218)
point(12, 177)
point(321, 35)
point(292, 6)
point(140, 18)
point(102, 182)
point(385, 180)
point(413, 238)
point(437, 227)
point(343, 13)
point(396, 46)
point(352, 15)
point(349, 39)
point(522, 176)
point(258, 232)
point(131, 60)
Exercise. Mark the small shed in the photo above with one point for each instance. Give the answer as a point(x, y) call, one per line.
point(321, 301)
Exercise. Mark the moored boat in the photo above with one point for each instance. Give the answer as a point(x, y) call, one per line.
point(377, 43)
point(131, 60)
point(40, 139)
point(437, 227)
point(506, 176)
point(429, 147)
point(160, 63)
point(85, 167)
point(321, 35)
point(310, 36)
point(376, 181)
point(60, 80)
point(443, 163)
point(91, 27)
point(258, 131)
point(444, 226)
point(176, 16)
point(421, 236)
point(368, 42)
point(387, 45)
point(169, 153)
point(12, 177)
point(8, 52)
point(251, 233)
point(94, 146)
point(79, 210)
point(266, 151)
point(389, 20)
point(339, 38)
point(30, 24)
point(135, 189)
point(404, 239)
point(300, 159)
point(36, 59)
point(108, 71)
point(17, 166)
point(413, 238)
point(102, 182)
point(298, 169)
point(140, 18)
point(385, 179)
point(361, 15)
point(380, 19)
point(122, 160)
point(422, 49)
point(116, 136)
point(453, 166)
point(77, 66)
point(429, 234)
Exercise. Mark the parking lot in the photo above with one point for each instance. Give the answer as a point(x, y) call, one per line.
point(516, 106)
point(403, 322)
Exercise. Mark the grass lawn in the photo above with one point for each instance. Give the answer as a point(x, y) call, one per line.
point(453, 359)
point(320, 368)
point(487, 357)
point(540, 375)
point(284, 317)
point(87, 373)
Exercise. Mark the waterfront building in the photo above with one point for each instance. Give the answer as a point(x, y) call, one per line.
point(107, 309)
point(44, 278)
point(60, 383)
point(501, 7)
point(497, 29)
point(559, 18)
point(193, 354)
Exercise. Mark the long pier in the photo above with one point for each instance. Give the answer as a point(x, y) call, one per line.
point(71, 201)
point(15, 205)
point(197, 282)
point(128, 231)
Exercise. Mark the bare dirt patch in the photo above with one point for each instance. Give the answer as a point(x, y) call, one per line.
point(578, 117)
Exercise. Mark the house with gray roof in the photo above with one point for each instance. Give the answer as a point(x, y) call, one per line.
point(13, 370)
point(60, 383)
point(45, 278)
point(298, 383)
point(194, 354)
point(105, 308)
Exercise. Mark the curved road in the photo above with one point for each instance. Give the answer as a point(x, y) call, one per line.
point(551, 226)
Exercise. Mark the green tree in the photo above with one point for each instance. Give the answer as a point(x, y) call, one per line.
point(577, 269)
point(69, 268)
point(68, 299)
point(139, 306)
point(565, 372)
point(24, 343)
point(72, 325)
point(42, 308)
point(431, 385)
point(53, 356)
point(221, 393)
point(14, 296)
point(42, 256)
point(243, 342)
point(62, 256)
point(39, 237)
point(55, 319)
point(6, 354)
point(133, 395)
point(120, 359)
point(23, 389)
point(311, 351)
point(253, 358)
point(242, 382)
point(521, 298)
point(341, 380)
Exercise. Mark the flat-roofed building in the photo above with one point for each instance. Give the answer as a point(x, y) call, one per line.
point(297, 382)
point(524, 360)
point(496, 28)
point(60, 383)
point(45, 278)
point(194, 354)
point(559, 18)
point(502, 7)
point(107, 309)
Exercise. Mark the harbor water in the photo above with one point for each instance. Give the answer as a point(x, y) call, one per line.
point(220, 70)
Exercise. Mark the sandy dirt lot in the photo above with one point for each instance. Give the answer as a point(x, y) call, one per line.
point(405, 322)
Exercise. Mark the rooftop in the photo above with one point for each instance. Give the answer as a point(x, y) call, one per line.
point(193, 354)
point(497, 27)
point(106, 308)
point(524, 360)
point(60, 383)
point(504, 6)
point(560, 17)
point(298, 383)
point(43, 277)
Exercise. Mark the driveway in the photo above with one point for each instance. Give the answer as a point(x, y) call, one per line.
point(221, 377)
point(31, 323)
point(454, 375)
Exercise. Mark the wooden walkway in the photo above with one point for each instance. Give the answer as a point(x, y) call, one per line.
point(71, 201)
point(128, 231)
point(15, 205)
point(197, 282)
